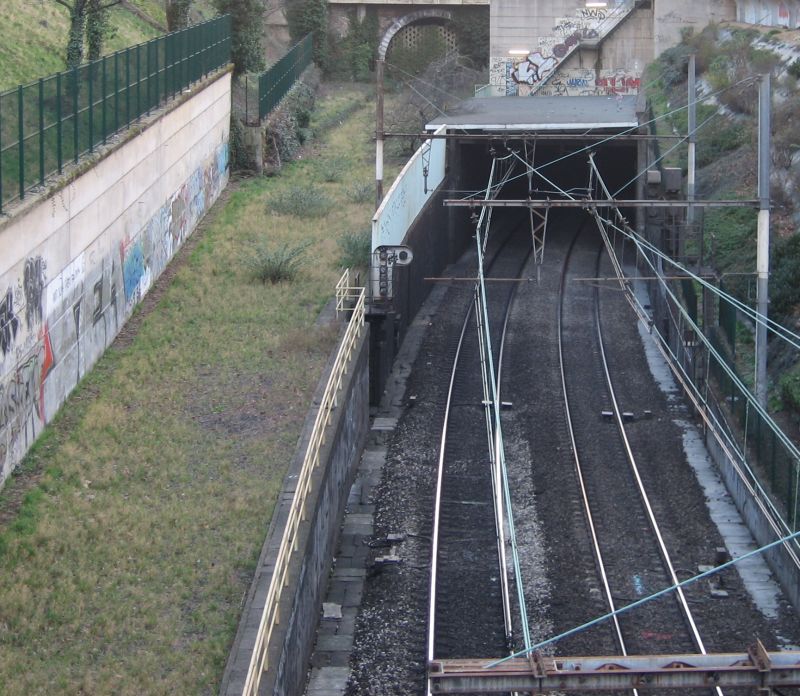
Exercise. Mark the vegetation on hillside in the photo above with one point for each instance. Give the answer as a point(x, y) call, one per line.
point(728, 59)
point(45, 25)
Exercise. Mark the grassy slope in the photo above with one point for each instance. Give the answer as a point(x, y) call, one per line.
point(125, 567)
point(33, 35)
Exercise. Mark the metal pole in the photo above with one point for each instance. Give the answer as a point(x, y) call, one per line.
point(41, 131)
point(90, 68)
point(21, 133)
point(59, 125)
point(379, 65)
point(104, 90)
point(75, 142)
point(690, 187)
point(762, 256)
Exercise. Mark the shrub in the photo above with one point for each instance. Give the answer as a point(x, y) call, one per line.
point(287, 126)
point(355, 248)
point(790, 389)
point(361, 192)
point(794, 69)
point(276, 265)
point(300, 201)
point(785, 277)
point(330, 170)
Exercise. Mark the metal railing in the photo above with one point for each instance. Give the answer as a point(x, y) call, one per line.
point(277, 80)
point(270, 616)
point(58, 118)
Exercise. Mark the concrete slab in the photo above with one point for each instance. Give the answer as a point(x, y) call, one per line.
point(335, 643)
point(541, 114)
point(326, 681)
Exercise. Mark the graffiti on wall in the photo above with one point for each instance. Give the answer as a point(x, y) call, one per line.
point(540, 71)
point(9, 323)
point(33, 282)
point(47, 341)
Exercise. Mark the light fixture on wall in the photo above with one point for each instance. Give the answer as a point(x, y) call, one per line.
point(518, 52)
point(596, 3)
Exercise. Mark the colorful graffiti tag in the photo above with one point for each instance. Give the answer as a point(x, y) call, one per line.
point(47, 342)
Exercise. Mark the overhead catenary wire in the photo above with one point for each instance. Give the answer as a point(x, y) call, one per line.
point(752, 401)
point(636, 239)
point(614, 136)
point(645, 600)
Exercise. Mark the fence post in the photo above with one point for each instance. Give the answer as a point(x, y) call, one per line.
point(41, 131)
point(1, 154)
point(139, 80)
point(104, 90)
point(128, 86)
point(59, 125)
point(158, 88)
point(116, 91)
point(75, 112)
point(21, 130)
point(90, 68)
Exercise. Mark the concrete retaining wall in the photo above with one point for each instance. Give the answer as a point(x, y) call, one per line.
point(293, 640)
point(786, 572)
point(76, 260)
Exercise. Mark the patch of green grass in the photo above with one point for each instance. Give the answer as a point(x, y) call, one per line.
point(44, 25)
point(125, 568)
point(273, 265)
point(355, 248)
point(301, 200)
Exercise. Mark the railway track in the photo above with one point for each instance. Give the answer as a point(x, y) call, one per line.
point(630, 554)
point(469, 614)
point(469, 585)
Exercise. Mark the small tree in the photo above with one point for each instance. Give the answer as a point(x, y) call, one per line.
point(178, 14)
point(247, 18)
point(88, 17)
point(306, 16)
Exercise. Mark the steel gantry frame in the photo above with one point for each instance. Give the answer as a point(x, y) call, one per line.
point(762, 671)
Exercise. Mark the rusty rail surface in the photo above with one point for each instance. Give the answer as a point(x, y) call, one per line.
point(298, 513)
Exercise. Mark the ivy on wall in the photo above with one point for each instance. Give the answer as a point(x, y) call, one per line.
point(305, 16)
point(247, 19)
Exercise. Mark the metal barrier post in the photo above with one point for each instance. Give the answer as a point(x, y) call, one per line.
point(116, 92)
point(59, 124)
point(41, 131)
point(90, 68)
point(104, 90)
point(1, 155)
point(75, 143)
point(128, 86)
point(21, 130)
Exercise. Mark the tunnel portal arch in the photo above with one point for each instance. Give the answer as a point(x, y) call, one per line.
point(405, 20)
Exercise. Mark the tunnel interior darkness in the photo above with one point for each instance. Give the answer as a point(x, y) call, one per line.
point(565, 163)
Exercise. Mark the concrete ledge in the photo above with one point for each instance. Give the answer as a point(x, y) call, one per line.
point(787, 574)
point(292, 641)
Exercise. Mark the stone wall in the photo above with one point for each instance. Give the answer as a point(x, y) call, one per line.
point(77, 259)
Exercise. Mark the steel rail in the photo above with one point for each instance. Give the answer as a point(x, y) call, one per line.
point(438, 494)
point(598, 554)
point(665, 556)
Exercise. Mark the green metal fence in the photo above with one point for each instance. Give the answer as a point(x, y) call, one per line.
point(279, 78)
point(45, 124)
point(777, 468)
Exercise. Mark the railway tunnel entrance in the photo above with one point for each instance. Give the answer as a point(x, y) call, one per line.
point(547, 142)
point(543, 144)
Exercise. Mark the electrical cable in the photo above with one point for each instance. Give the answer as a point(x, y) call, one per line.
point(645, 600)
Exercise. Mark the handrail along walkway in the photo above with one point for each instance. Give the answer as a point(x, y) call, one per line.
point(298, 512)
